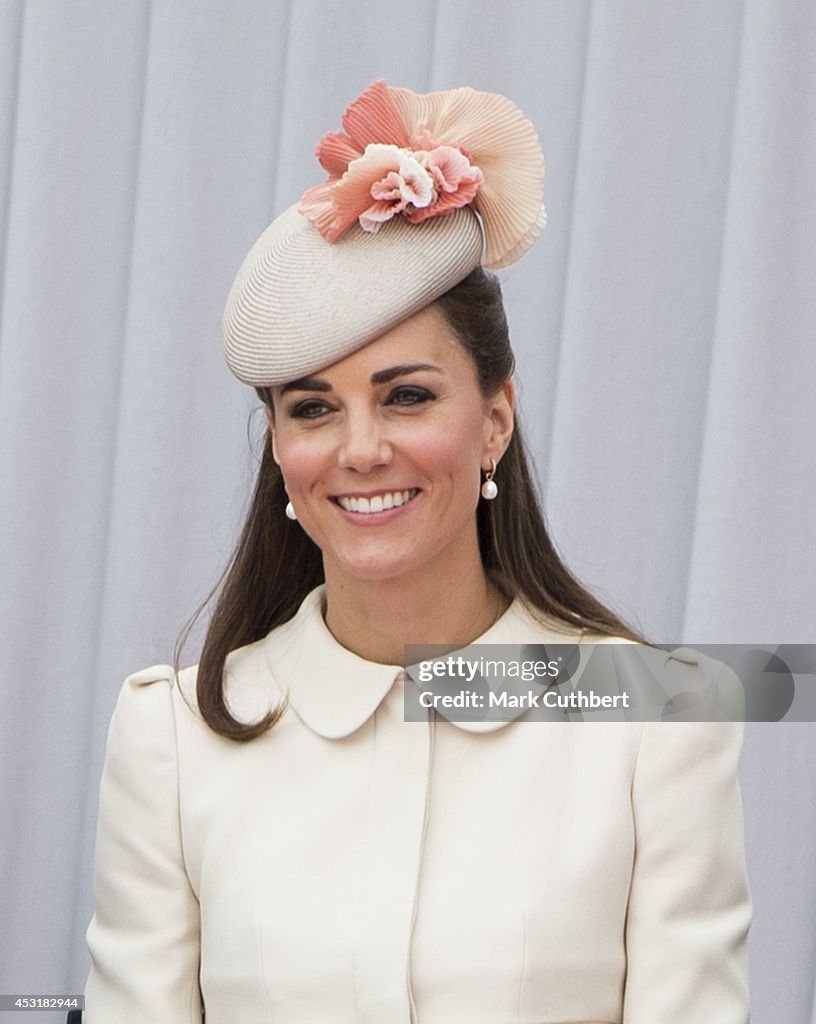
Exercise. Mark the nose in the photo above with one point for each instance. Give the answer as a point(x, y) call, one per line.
point(363, 446)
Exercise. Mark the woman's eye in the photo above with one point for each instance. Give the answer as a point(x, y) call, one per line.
point(410, 396)
point(309, 409)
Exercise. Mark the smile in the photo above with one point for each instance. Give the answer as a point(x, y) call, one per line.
point(378, 503)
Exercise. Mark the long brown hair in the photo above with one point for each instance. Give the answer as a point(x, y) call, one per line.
point(275, 564)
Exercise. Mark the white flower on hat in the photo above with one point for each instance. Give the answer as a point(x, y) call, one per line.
point(408, 184)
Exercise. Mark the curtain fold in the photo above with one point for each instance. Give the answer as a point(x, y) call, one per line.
point(11, 26)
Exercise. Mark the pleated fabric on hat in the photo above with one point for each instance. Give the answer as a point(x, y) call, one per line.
point(503, 143)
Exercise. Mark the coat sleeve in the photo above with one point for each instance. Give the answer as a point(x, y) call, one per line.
point(689, 905)
point(144, 935)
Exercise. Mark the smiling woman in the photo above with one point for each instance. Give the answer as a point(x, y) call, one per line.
point(427, 407)
point(275, 840)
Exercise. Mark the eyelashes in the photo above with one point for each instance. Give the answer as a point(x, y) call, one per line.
point(404, 396)
point(410, 394)
point(308, 410)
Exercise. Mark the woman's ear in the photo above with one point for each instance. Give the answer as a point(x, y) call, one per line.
point(500, 421)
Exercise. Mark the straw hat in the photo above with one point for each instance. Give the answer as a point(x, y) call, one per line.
point(422, 189)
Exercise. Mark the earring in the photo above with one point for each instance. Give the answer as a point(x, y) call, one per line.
point(290, 511)
point(489, 487)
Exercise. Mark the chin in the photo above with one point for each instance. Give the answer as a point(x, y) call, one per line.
point(377, 567)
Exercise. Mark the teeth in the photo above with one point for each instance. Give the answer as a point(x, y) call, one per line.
point(378, 503)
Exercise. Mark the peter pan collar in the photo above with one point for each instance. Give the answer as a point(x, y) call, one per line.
point(334, 691)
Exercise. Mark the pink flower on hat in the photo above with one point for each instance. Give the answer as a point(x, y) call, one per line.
point(456, 182)
point(421, 156)
point(412, 175)
point(406, 185)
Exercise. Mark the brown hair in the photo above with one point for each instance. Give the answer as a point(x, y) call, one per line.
point(275, 564)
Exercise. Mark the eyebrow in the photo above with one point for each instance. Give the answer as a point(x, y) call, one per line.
point(380, 377)
point(306, 384)
point(384, 376)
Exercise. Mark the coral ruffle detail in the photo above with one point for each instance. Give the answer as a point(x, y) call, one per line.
point(423, 156)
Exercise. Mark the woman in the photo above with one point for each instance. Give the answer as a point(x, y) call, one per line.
point(275, 841)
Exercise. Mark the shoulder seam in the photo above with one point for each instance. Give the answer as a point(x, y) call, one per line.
point(153, 674)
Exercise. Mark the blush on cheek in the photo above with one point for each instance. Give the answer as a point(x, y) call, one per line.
point(305, 467)
point(455, 449)
point(302, 458)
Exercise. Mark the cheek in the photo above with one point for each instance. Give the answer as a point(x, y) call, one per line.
point(302, 460)
point(450, 449)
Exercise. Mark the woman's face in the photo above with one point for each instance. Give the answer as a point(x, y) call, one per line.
point(382, 452)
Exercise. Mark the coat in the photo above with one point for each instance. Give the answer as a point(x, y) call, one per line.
point(351, 866)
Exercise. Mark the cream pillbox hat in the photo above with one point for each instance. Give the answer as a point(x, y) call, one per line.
point(422, 189)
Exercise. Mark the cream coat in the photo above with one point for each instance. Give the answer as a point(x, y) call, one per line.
point(349, 866)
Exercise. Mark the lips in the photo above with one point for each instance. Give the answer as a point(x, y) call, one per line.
point(376, 503)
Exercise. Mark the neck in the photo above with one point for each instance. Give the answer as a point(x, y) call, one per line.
point(375, 619)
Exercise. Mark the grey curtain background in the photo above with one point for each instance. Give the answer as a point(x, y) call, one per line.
point(664, 325)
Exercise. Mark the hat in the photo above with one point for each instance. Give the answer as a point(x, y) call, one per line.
point(422, 189)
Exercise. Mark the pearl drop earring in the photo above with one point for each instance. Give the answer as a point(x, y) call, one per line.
point(290, 511)
point(489, 487)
